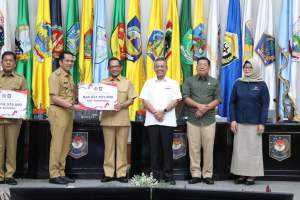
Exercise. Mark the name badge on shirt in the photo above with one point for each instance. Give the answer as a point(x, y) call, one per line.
point(256, 88)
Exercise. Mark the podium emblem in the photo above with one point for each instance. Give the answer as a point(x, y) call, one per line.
point(79, 145)
point(279, 147)
point(179, 145)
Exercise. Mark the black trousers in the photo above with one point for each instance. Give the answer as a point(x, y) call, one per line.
point(161, 153)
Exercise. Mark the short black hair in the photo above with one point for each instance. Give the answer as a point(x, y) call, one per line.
point(62, 55)
point(113, 58)
point(246, 62)
point(203, 58)
point(9, 53)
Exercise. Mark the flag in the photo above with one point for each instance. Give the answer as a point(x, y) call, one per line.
point(232, 58)
point(135, 67)
point(172, 43)
point(213, 38)
point(264, 44)
point(199, 37)
point(118, 34)
point(100, 70)
point(42, 59)
point(5, 40)
point(155, 39)
point(284, 59)
point(23, 49)
point(85, 45)
point(72, 36)
point(57, 32)
point(247, 28)
point(295, 67)
point(186, 39)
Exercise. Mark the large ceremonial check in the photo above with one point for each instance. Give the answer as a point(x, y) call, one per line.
point(97, 96)
point(13, 104)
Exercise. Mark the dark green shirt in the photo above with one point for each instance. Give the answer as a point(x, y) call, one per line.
point(202, 90)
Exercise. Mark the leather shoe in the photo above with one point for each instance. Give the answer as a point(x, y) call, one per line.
point(240, 180)
point(106, 179)
point(58, 180)
point(171, 181)
point(69, 180)
point(209, 181)
point(194, 180)
point(11, 181)
point(122, 179)
point(250, 182)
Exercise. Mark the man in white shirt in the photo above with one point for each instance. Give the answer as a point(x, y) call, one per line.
point(160, 96)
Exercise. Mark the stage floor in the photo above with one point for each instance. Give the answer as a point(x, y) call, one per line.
point(260, 186)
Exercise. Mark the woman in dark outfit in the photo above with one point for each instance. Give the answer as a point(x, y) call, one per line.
point(249, 103)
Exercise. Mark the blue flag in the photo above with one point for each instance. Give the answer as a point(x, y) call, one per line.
point(284, 59)
point(57, 32)
point(232, 58)
point(100, 43)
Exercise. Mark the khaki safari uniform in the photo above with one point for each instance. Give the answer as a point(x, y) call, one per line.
point(61, 84)
point(9, 128)
point(115, 126)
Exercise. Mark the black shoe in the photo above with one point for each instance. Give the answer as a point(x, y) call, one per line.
point(250, 182)
point(209, 181)
point(240, 180)
point(11, 181)
point(171, 181)
point(69, 180)
point(194, 180)
point(2, 182)
point(58, 180)
point(106, 179)
point(122, 179)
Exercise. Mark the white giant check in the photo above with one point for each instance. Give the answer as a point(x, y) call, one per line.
point(13, 104)
point(97, 96)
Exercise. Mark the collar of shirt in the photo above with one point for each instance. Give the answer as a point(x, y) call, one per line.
point(164, 79)
point(64, 73)
point(11, 74)
point(118, 78)
point(203, 78)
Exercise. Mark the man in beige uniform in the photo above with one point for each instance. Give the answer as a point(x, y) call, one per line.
point(115, 125)
point(60, 114)
point(9, 128)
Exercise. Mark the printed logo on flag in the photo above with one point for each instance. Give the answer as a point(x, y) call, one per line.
point(296, 41)
point(155, 44)
point(22, 42)
point(248, 41)
point(134, 43)
point(117, 42)
point(230, 48)
point(266, 49)
point(280, 147)
point(199, 41)
point(168, 40)
point(186, 48)
point(42, 47)
point(88, 39)
point(73, 39)
point(79, 145)
point(179, 145)
point(57, 41)
point(1, 30)
point(101, 45)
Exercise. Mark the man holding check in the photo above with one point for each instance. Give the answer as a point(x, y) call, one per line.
point(115, 125)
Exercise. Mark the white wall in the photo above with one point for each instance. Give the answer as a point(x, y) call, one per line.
point(145, 12)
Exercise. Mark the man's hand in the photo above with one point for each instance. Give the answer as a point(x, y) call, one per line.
point(199, 113)
point(118, 107)
point(260, 129)
point(76, 108)
point(203, 108)
point(159, 115)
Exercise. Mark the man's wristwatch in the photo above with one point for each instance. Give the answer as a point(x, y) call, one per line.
point(165, 110)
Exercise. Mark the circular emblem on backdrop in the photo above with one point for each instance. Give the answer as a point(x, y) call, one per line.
point(42, 45)
point(88, 39)
point(279, 147)
point(79, 145)
point(199, 43)
point(22, 42)
point(57, 40)
point(155, 44)
point(134, 43)
point(230, 48)
point(101, 45)
point(168, 40)
point(73, 39)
